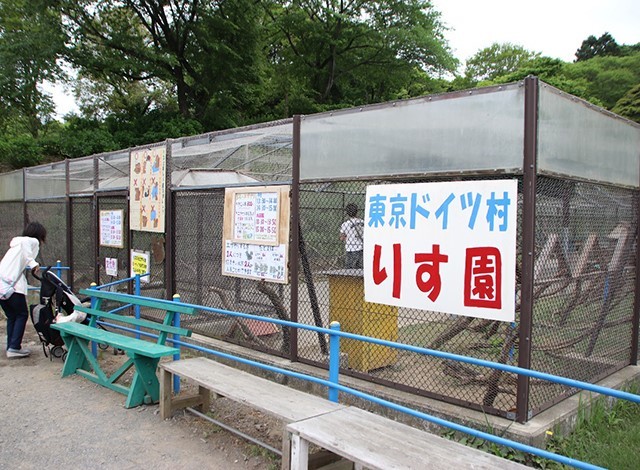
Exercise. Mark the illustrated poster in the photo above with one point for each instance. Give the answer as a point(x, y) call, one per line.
point(147, 189)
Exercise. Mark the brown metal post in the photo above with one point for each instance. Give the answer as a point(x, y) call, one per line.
point(25, 214)
point(528, 242)
point(169, 257)
point(295, 237)
point(69, 224)
point(635, 322)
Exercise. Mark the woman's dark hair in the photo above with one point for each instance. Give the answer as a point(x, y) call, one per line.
point(35, 230)
point(351, 209)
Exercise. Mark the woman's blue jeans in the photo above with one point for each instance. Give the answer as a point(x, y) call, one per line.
point(15, 307)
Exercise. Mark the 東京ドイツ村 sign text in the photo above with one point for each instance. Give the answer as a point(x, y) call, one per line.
point(447, 247)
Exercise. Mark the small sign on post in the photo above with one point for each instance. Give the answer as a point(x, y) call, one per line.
point(140, 264)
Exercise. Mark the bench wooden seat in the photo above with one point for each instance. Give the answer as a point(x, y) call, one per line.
point(277, 400)
point(378, 443)
point(143, 356)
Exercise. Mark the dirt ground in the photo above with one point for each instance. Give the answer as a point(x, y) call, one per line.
point(47, 421)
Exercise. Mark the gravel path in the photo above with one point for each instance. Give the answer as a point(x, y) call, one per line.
point(72, 423)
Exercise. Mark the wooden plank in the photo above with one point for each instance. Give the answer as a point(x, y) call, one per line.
point(152, 325)
point(376, 442)
point(160, 304)
point(277, 400)
point(116, 340)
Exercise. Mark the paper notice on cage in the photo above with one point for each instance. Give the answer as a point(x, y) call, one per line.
point(255, 261)
point(140, 264)
point(111, 266)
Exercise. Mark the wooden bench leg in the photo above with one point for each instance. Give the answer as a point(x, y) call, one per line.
point(76, 358)
point(166, 381)
point(286, 450)
point(299, 453)
point(205, 396)
point(144, 382)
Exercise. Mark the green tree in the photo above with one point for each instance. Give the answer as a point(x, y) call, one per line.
point(338, 53)
point(498, 60)
point(30, 43)
point(592, 47)
point(629, 105)
point(205, 53)
point(606, 78)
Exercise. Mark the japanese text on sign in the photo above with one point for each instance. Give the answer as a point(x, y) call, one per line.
point(111, 228)
point(256, 217)
point(447, 247)
point(255, 261)
point(140, 264)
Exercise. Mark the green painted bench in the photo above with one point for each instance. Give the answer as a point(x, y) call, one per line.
point(143, 356)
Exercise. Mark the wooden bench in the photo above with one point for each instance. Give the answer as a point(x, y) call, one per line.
point(282, 402)
point(143, 356)
point(377, 443)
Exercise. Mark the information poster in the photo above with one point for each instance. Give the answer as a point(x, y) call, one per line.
point(111, 266)
point(256, 261)
point(256, 233)
point(147, 189)
point(445, 247)
point(111, 228)
point(256, 217)
point(140, 264)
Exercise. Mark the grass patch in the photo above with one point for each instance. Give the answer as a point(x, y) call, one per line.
point(608, 436)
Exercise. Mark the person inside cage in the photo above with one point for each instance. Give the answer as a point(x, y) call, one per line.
point(352, 235)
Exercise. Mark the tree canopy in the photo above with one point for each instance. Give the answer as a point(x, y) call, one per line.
point(146, 70)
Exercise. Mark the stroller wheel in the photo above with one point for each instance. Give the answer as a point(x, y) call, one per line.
point(57, 351)
point(64, 355)
point(103, 346)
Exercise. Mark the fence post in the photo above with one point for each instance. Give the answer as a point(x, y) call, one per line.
point(334, 361)
point(176, 357)
point(59, 269)
point(136, 309)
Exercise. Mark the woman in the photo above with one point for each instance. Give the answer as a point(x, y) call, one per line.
point(22, 254)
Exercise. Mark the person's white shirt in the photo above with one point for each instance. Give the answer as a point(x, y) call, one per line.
point(352, 231)
point(21, 254)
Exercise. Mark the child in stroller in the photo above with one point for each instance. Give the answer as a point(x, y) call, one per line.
point(57, 303)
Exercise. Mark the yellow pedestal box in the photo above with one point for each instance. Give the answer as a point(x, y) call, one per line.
point(347, 306)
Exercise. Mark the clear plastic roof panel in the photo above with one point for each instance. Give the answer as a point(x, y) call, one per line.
point(576, 139)
point(46, 181)
point(11, 186)
point(113, 170)
point(473, 131)
point(81, 175)
point(261, 153)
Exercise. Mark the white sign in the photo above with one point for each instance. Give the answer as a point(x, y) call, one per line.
point(256, 217)
point(255, 261)
point(111, 228)
point(111, 266)
point(140, 264)
point(446, 247)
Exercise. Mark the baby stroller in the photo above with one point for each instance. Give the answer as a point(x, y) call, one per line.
point(57, 302)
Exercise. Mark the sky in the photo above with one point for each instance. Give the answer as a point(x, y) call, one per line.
point(555, 28)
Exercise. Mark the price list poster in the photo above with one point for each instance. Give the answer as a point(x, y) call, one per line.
point(256, 233)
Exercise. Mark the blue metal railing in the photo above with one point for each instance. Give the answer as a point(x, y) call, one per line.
point(334, 386)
